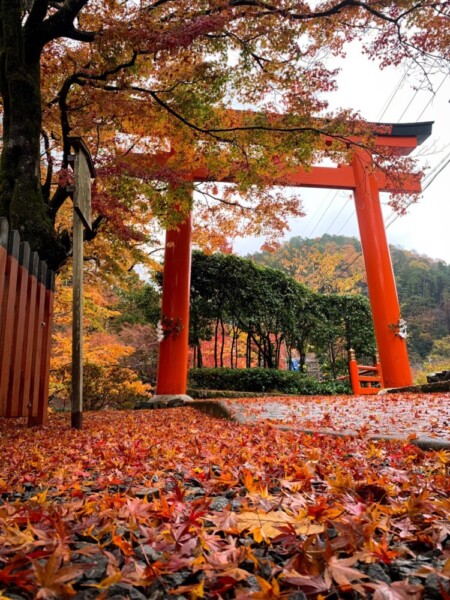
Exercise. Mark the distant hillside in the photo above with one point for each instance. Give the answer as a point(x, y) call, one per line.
point(334, 264)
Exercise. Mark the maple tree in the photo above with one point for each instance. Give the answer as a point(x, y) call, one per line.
point(119, 358)
point(155, 75)
point(323, 264)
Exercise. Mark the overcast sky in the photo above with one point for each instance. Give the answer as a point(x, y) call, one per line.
point(364, 87)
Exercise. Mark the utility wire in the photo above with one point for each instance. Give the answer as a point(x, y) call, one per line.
point(323, 214)
point(320, 204)
point(414, 95)
point(344, 204)
point(388, 102)
point(342, 271)
point(347, 220)
point(392, 96)
point(438, 173)
point(428, 180)
point(433, 96)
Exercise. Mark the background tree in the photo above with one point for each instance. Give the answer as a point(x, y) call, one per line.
point(272, 311)
point(326, 265)
point(120, 354)
point(423, 284)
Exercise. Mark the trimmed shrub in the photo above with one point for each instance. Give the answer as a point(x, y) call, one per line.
point(263, 380)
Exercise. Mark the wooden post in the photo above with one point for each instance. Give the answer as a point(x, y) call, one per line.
point(4, 231)
point(353, 371)
point(77, 323)
point(42, 413)
point(82, 217)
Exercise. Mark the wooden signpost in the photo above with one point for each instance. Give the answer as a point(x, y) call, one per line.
point(82, 218)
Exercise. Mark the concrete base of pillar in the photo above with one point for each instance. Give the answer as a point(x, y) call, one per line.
point(165, 401)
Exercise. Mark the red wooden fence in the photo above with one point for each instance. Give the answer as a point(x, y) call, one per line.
point(26, 315)
point(365, 379)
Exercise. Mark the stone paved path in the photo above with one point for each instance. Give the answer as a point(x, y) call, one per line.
point(413, 416)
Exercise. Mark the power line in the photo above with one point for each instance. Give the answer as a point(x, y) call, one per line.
point(428, 180)
point(438, 173)
point(388, 102)
point(411, 100)
point(320, 204)
point(392, 96)
point(444, 166)
point(342, 271)
point(340, 211)
point(323, 214)
point(348, 219)
point(433, 96)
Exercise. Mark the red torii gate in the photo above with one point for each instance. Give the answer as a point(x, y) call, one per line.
point(366, 182)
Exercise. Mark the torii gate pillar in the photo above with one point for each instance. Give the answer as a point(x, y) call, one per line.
point(173, 352)
point(380, 277)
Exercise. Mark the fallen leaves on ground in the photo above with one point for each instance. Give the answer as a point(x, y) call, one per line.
point(177, 504)
point(405, 415)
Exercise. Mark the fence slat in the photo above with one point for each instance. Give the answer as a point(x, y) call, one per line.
point(33, 417)
point(42, 416)
point(30, 317)
point(4, 230)
point(13, 407)
point(7, 317)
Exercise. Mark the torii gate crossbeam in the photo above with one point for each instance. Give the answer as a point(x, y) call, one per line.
point(366, 182)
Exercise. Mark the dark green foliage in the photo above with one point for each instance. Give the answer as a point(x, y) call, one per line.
point(229, 291)
point(423, 287)
point(139, 305)
point(344, 322)
point(263, 380)
point(234, 296)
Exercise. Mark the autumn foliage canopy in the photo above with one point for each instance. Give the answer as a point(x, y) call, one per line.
point(138, 77)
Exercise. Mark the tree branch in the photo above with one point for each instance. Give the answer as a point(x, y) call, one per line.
point(37, 14)
point(48, 178)
point(61, 24)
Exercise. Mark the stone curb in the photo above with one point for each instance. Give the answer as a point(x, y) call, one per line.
point(217, 408)
point(437, 386)
point(165, 401)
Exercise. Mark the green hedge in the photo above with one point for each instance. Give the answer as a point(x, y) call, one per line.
point(263, 380)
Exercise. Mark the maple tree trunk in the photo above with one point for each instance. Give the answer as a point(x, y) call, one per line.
point(248, 360)
point(216, 335)
point(222, 345)
point(302, 362)
point(198, 346)
point(21, 198)
point(333, 360)
point(233, 341)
